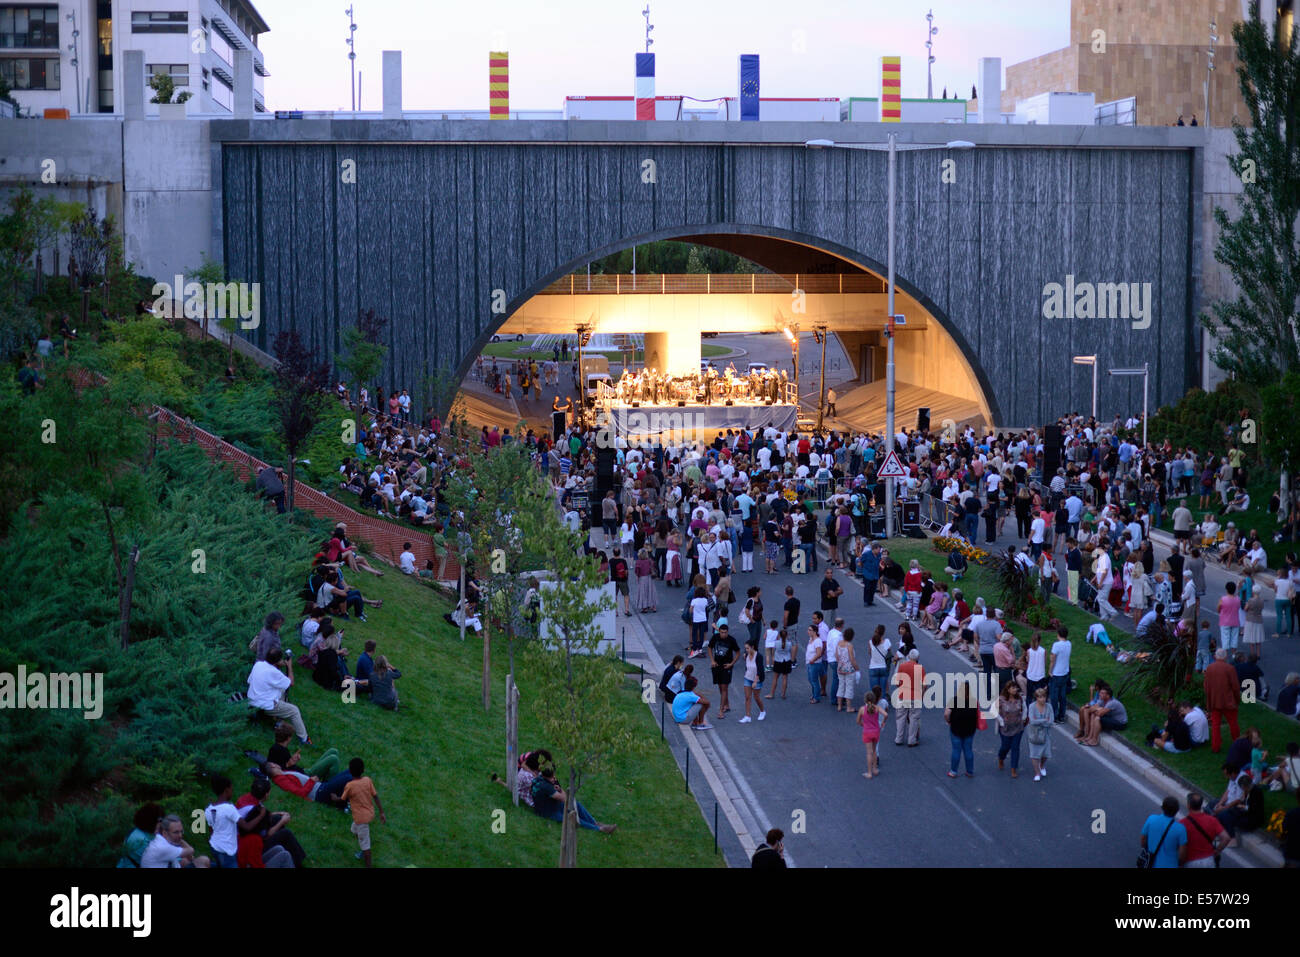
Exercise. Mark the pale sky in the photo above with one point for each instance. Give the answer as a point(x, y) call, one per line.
point(585, 47)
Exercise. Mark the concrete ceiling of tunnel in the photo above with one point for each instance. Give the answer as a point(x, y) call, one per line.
point(778, 255)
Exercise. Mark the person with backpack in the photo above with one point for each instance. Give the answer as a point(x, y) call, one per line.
point(1164, 839)
point(751, 616)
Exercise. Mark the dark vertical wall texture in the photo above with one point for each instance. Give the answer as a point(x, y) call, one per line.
point(429, 230)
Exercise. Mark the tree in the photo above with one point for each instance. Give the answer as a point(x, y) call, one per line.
point(47, 225)
point(90, 242)
point(300, 396)
point(164, 86)
point(576, 686)
point(364, 355)
point(211, 271)
point(1280, 432)
point(1258, 333)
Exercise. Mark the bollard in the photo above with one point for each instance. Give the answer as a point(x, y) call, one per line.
point(715, 827)
point(688, 770)
point(662, 704)
point(625, 645)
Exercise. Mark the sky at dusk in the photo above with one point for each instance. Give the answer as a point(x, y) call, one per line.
point(585, 47)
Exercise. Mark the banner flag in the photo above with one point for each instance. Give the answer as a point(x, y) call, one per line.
point(749, 86)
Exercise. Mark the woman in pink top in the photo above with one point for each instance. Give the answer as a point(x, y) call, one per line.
point(871, 716)
point(1229, 609)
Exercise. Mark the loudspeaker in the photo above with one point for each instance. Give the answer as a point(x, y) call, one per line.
point(923, 419)
point(636, 405)
point(1053, 450)
point(681, 403)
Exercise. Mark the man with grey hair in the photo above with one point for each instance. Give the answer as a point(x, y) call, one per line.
point(1222, 696)
point(168, 848)
point(909, 685)
point(1288, 699)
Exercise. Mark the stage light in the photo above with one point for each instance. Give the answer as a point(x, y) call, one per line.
point(788, 334)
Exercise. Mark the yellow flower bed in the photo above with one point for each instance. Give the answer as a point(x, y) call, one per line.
point(972, 553)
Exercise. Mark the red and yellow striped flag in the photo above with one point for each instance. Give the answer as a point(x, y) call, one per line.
point(499, 86)
point(891, 89)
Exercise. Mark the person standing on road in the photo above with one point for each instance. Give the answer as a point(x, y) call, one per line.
point(1164, 838)
point(871, 716)
point(1040, 720)
point(830, 591)
point(833, 636)
point(723, 651)
point(1206, 837)
point(909, 683)
point(962, 715)
point(878, 658)
point(989, 633)
point(1229, 609)
point(869, 569)
point(846, 667)
point(815, 659)
point(1059, 669)
point(1035, 666)
point(770, 855)
point(754, 674)
point(783, 654)
point(1011, 725)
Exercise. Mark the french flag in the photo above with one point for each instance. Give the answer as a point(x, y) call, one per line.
point(645, 86)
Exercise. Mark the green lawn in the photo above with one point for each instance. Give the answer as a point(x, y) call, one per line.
point(1257, 516)
point(1090, 662)
point(431, 760)
point(524, 350)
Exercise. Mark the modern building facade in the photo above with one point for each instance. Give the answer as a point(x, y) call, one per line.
point(68, 55)
point(1154, 51)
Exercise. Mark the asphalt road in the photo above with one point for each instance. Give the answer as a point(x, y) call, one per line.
point(804, 765)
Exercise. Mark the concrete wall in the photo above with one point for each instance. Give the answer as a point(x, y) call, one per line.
point(168, 195)
point(430, 230)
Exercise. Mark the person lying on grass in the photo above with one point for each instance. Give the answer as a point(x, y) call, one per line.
point(307, 787)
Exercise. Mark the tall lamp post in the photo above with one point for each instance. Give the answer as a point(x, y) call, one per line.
point(1090, 361)
point(1145, 373)
point(352, 55)
point(76, 61)
point(892, 147)
point(820, 335)
point(930, 31)
point(791, 333)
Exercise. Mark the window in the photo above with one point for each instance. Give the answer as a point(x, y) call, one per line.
point(160, 22)
point(25, 28)
point(218, 45)
point(223, 95)
point(22, 73)
point(179, 72)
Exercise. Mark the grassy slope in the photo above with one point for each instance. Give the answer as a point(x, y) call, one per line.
point(1257, 516)
point(431, 760)
point(1089, 662)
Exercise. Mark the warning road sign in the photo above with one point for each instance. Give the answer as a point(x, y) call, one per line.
point(891, 467)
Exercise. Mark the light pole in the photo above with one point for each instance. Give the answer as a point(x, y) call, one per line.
point(1209, 68)
point(1090, 361)
point(892, 147)
point(793, 335)
point(930, 31)
point(76, 62)
point(819, 333)
point(1145, 373)
point(352, 55)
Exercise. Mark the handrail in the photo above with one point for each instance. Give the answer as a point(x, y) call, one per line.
point(619, 284)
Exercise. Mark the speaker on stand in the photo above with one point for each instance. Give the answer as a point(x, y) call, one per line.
point(923, 419)
point(1053, 451)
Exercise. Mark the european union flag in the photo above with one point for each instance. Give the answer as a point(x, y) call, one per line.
point(749, 86)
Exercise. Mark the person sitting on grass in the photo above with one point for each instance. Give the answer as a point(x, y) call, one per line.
point(1176, 736)
point(382, 691)
point(529, 766)
point(339, 549)
point(264, 838)
point(1108, 715)
point(365, 666)
point(549, 799)
point(325, 766)
point(146, 829)
point(331, 666)
point(339, 599)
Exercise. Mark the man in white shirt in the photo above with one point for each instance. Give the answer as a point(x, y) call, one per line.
point(1103, 579)
point(1256, 559)
point(833, 637)
point(266, 687)
point(1283, 592)
point(1197, 723)
point(1059, 673)
point(1037, 529)
point(168, 848)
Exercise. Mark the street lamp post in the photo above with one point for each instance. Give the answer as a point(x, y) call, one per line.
point(930, 31)
point(892, 147)
point(1145, 373)
point(1090, 361)
point(821, 401)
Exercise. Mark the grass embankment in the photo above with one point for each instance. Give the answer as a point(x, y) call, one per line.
point(1090, 662)
point(432, 758)
point(1257, 516)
